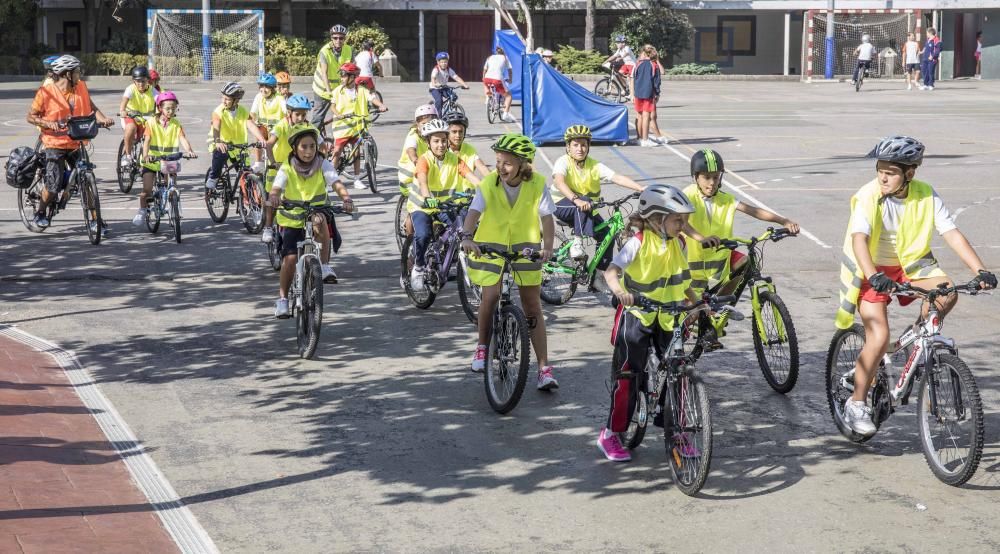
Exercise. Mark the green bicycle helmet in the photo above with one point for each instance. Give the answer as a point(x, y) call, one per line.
point(516, 144)
point(706, 161)
point(301, 130)
point(577, 132)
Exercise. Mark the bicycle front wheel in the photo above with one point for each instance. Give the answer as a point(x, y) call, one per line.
point(469, 293)
point(370, 160)
point(608, 89)
point(950, 415)
point(175, 215)
point(251, 203)
point(274, 250)
point(840, 360)
point(154, 212)
point(559, 276)
point(401, 221)
point(310, 317)
point(507, 361)
point(688, 436)
point(90, 201)
point(421, 297)
point(124, 174)
point(27, 204)
point(215, 200)
point(775, 343)
point(373, 112)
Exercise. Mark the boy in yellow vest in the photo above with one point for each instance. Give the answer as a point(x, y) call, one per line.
point(284, 81)
point(138, 97)
point(888, 242)
point(439, 175)
point(278, 148)
point(231, 123)
point(513, 210)
point(268, 107)
point(346, 100)
point(458, 124)
point(577, 185)
point(166, 136)
point(650, 264)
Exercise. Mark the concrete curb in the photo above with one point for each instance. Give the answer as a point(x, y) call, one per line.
point(108, 80)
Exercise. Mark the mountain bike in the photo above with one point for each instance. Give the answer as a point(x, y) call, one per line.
point(247, 191)
point(669, 392)
point(442, 253)
point(449, 101)
point(166, 199)
point(494, 107)
point(510, 340)
point(364, 146)
point(614, 87)
point(563, 273)
point(949, 409)
point(128, 174)
point(774, 340)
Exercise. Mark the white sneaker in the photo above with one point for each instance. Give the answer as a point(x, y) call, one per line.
point(545, 379)
point(417, 278)
point(359, 185)
point(508, 118)
point(930, 88)
point(281, 309)
point(646, 143)
point(659, 140)
point(576, 248)
point(140, 218)
point(267, 236)
point(858, 416)
point(909, 86)
point(210, 184)
point(328, 275)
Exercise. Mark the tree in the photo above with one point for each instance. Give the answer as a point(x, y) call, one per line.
point(19, 23)
point(285, 9)
point(588, 25)
point(669, 31)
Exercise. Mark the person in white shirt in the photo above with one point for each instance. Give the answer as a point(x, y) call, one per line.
point(911, 59)
point(440, 76)
point(623, 56)
point(496, 71)
point(367, 63)
point(865, 51)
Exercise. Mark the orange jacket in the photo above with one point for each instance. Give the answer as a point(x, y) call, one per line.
point(52, 104)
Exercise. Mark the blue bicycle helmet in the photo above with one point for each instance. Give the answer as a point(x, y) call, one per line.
point(298, 102)
point(441, 56)
point(47, 61)
point(267, 80)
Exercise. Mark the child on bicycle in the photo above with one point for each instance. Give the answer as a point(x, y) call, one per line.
point(154, 81)
point(513, 209)
point(865, 51)
point(231, 123)
point(284, 81)
point(577, 185)
point(138, 97)
point(439, 81)
point(166, 135)
point(347, 100)
point(888, 242)
point(268, 107)
point(497, 71)
point(439, 173)
point(305, 177)
point(458, 124)
point(650, 264)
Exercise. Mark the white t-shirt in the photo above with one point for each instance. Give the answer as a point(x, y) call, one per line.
point(329, 175)
point(912, 52)
point(892, 212)
point(410, 142)
point(496, 67)
point(440, 78)
point(630, 249)
point(365, 61)
point(865, 51)
point(562, 166)
point(545, 207)
point(625, 53)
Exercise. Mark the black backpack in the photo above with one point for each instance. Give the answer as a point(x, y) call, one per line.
point(22, 163)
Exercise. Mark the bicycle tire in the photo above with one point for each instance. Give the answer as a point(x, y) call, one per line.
point(421, 299)
point(215, 200)
point(175, 215)
point(373, 112)
point(857, 84)
point(559, 287)
point(90, 201)
point(455, 107)
point(153, 213)
point(693, 420)
point(274, 250)
point(469, 293)
point(970, 407)
point(124, 182)
point(510, 338)
point(28, 198)
point(491, 114)
point(838, 363)
point(781, 379)
point(309, 319)
point(608, 89)
point(370, 160)
point(632, 437)
point(401, 221)
point(251, 203)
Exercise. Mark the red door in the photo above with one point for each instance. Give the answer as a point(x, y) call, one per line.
point(470, 38)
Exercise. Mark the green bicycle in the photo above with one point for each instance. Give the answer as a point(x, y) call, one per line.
point(563, 273)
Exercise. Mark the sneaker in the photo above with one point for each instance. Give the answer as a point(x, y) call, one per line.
point(576, 248)
point(267, 236)
point(359, 185)
point(329, 276)
point(659, 140)
point(930, 87)
point(853, 82)
point(140, 218)
point(646, 143)
point(545, 379)
point(104, 230)
point(95, 227)
point(210, 184)
point(909, 86)
point(684, 446)
point(281, 309)
point(417, 277)
point(41, 221)
point(612, 447)
point(479, 360)
point(858, 416)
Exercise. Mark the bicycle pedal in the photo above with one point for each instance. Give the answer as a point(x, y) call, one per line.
point(713, 346)
point(733, 313)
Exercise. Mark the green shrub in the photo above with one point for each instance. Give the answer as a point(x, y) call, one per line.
point(694, 69)
point(358, 32)
point(280, 46)
point(233, 42)
point(295, 65)
point(570, 60)
point(669, 31)
point(132, 43)
point(116, 63)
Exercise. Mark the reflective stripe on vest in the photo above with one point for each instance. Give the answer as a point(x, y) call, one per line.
point(709, 266)
point(443, 181)
point(583, 182)
point(163, 140)
point(299, 189)
point(322, 83)
point(510, 228)
point(658, 272)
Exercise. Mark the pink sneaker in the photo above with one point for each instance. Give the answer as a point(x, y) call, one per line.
point(612, 447)
point(545, 379)
point(479, 360)
point(685, 447)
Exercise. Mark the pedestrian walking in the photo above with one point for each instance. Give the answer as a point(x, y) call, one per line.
point(929, 59)
point(911, 60)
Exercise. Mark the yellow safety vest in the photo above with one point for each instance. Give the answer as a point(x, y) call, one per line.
point(406, 167)
point(299, 189)
point(333, 64)
point(584, 182)
point(232, 127)
point(658, 272)
point(270, 111)
point(142, 102)
point(913, 242)
point(281, 148)
point(510, 228)
point(443, 181)
point(709, 266)
point(163, 140)
point(344, 105)
point(467, 153)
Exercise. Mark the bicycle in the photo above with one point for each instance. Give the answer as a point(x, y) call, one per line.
point(80, 180)
point(774, 339)
point(128, 175)
point(166, 199)
point(372, 108)
point(247, 193)
point(364, 146)
point(494, 107)
point(613, 87)
point(562, 273)
point(441, 255)
point(864, 71)
point(449, 101)
point(400, 217)
point(669, 391)
point(948, 397)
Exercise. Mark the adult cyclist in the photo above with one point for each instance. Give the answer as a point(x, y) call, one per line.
point(330, 58)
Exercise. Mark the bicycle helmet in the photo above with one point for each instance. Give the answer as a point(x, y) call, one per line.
point(367, 44)
point(233, 89)
point(48, 60)
point(706, 161)
point(516, 144)
point(140, 72)
point(298, 102)
point(424, 109)
point(165, 96)
point(283, 78)
point(350, 68)
point(619, 38)
point(338, 30)
point(153, 75)
point(433, 126)
point(441, 56)
point(547, 53)
point(267, 80)
point(301, 132)
point(663, 199)
point(900, 150)
point(64, 64)
point(866, 38)
point(577, 132)
point(456, 117)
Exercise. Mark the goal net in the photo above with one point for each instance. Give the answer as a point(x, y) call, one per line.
point(887, 29)
point(233, 46)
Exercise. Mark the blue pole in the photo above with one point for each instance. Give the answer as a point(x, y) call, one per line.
point(829, 58)
point(206, 39)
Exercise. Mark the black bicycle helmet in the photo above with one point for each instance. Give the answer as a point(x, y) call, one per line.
point(456, 117)
point(140, 72)
point(706, 161)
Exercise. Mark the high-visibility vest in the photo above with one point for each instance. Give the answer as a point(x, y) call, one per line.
point(510, 228)
point(299, 189)
point(709, 266)
point(333, 63)
point(163, 139)
point(270, 111)
point(443, 181)
point(232, 127)
point(56, 107)
point(142, 102)
point(405, 165)
point(913, 242)
point(658, 272)
point(345, 105)
point(281, 148)
point(583, 182)
point(467, 153)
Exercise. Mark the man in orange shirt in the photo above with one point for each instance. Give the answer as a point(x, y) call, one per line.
point(54, 103)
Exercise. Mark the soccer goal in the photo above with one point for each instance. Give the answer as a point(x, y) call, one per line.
point(887, 29)
point(212, 44)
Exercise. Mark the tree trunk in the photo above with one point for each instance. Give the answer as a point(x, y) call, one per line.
point(89, 38)
point(285, 7)
point(588, 25)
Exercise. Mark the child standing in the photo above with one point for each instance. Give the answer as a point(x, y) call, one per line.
point(646, 78)
point(911, 57)
point(929, 59)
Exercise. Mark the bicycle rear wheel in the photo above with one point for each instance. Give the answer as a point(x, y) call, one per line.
point(251, 202)
point(559, 276)
point(952, 435)
point(778, 349)
point(90, 201)
point(175, 214)
point(636, 431)
point(28, 200)
point(309, 319)
point(688, 435)
point(373, 112)
point(370, 160)
point(216, 200)
point(840, 359)
point(491, 107)
point(608, 89)
point(401, 221)
point(423, 297)
point(274, 250)
point(507, 361)
point(469, 293)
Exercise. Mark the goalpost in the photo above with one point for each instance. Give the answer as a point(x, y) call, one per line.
point(887, 29)
point(206, 43)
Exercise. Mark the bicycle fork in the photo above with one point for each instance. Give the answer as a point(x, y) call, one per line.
point(765, 285)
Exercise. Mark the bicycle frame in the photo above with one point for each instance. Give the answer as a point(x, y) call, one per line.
point(750, 276)
point(615, 225)
point(449, 238)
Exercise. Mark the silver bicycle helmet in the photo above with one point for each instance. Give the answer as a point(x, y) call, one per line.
point(899, 149)
point(233, 89)
point(663, 199)
point(433, 126)
point(65, 63)
point(338, 30)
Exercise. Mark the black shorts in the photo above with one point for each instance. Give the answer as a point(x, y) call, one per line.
point(146, 170)
point(911, 67)
point(290, 238)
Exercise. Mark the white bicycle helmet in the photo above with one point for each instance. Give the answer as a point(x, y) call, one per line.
point(233, 89)
point(65, 63)
point(424, 109)
point(899, 149)
point(433, 126)
point(338, 30)
point(663, 199)
point(866, 38)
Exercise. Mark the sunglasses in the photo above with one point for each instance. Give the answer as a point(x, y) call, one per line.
point(338, 37)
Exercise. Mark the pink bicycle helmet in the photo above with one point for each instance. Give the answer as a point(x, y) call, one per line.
point(165, 96)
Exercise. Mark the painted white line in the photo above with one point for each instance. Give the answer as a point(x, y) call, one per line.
point(776, 180)
point(798, 176)
point(187, 533)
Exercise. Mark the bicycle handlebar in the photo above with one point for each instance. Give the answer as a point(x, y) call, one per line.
point(908, 289)
point(714, 302)
point(246, 146)
point(615, 203)
point(171, 157)
point(772, 234)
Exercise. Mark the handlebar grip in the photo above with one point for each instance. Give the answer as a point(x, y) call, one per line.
point(725, 299)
